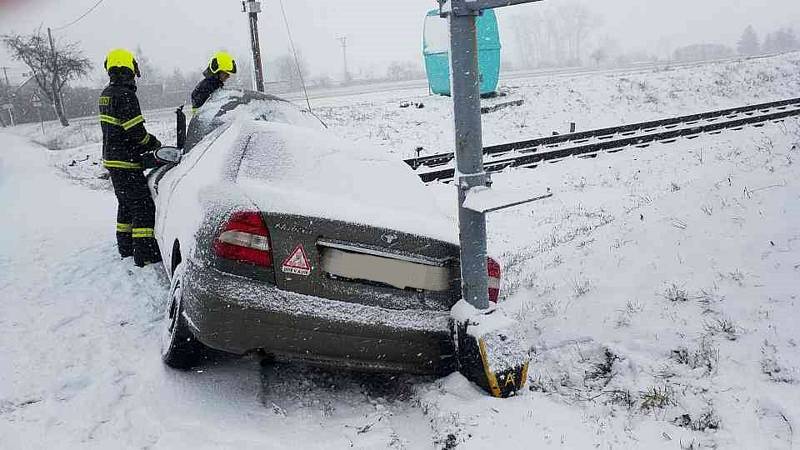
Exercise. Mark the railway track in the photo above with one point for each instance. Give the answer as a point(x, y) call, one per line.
point(588, 144)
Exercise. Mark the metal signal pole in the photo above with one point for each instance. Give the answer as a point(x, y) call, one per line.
point(252, 8)
point(469, 157)
point(474, 346)
point(465, 90)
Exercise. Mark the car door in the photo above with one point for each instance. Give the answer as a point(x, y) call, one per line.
point(165, 188)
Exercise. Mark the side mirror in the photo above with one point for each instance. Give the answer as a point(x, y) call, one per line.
point(169, 155)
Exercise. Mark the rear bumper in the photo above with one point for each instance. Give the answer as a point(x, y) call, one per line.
point(237, 315)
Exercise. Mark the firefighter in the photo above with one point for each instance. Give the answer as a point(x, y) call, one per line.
point(128, 150)
point(220, 68)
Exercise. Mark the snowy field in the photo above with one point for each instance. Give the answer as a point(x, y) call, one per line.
point(659, 289)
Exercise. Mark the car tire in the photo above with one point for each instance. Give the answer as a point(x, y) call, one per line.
point(179, 348)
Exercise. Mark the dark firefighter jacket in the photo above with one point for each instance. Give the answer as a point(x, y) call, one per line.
point(124, 137)
point(204, 89)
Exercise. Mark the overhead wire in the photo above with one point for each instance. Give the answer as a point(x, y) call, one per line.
point(294, 51)
point(79, 18)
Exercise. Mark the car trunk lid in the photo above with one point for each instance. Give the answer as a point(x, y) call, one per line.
point(362, 264)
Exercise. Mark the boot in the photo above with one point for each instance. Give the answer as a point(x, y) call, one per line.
point(124, 244)
point(146, 252)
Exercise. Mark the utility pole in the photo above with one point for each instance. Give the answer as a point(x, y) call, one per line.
point(54, 56)
point(4, 95)
point(343, 41)
point(252, 8)
point(5, 72)
point(57, 102)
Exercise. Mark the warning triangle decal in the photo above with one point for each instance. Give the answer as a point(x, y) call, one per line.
point(297, 262)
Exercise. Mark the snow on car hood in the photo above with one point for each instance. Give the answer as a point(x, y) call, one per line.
point(292, 170)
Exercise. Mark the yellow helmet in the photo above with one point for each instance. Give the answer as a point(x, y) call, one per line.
point(222, 62)
point(119, 57)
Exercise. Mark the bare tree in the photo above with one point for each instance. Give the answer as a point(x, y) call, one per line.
point(176, 81)
point(150, 73)
point(577, 22)
point(530, 33)
point(51, 69)
point(290, 70)
point(5, 96)
point(554, 36)
point(781, 40)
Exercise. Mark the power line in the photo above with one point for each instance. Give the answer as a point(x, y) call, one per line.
point(296, 61)
point(79, 18)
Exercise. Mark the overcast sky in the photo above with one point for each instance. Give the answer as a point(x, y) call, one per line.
point(183, 33)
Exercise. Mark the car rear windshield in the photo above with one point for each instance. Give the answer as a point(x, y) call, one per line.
point(225, 106)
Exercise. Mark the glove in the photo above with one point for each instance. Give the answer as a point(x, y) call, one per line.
point(148, 150)
point(149, 161)
point(151, 146)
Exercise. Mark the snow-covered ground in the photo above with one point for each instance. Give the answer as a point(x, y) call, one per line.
point(658, 287)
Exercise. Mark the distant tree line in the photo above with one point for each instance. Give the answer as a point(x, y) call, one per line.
point(779, 41)
point(554, 35)
point(565, 34)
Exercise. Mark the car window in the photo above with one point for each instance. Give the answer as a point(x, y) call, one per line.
point(225, 106)
point(192, 158)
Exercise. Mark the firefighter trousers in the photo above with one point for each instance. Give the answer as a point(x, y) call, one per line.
point(135, 217)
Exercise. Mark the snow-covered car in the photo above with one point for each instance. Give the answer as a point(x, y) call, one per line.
point(280, 238)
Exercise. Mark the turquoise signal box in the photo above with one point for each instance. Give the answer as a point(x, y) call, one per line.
point(436, 51)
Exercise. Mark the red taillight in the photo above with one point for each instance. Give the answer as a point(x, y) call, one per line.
point(244, 238)
point(493, 269)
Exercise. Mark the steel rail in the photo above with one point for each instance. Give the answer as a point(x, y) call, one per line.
point(605, 133)
point(533, 159)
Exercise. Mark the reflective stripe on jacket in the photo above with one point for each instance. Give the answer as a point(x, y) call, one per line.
point(125, 138)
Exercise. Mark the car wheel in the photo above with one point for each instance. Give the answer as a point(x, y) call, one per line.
point(179, 348)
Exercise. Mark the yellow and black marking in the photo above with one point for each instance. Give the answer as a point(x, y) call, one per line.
point(127, 125)
point(124, 228)
point(504, 383)
point(139, 233)
point(109, 119)
point(132, 123)
point(121, 164)
point(105, 101)
point(491, 377)
point(473, 358)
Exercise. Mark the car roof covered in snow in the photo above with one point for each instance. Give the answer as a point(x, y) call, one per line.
point(227, 105)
